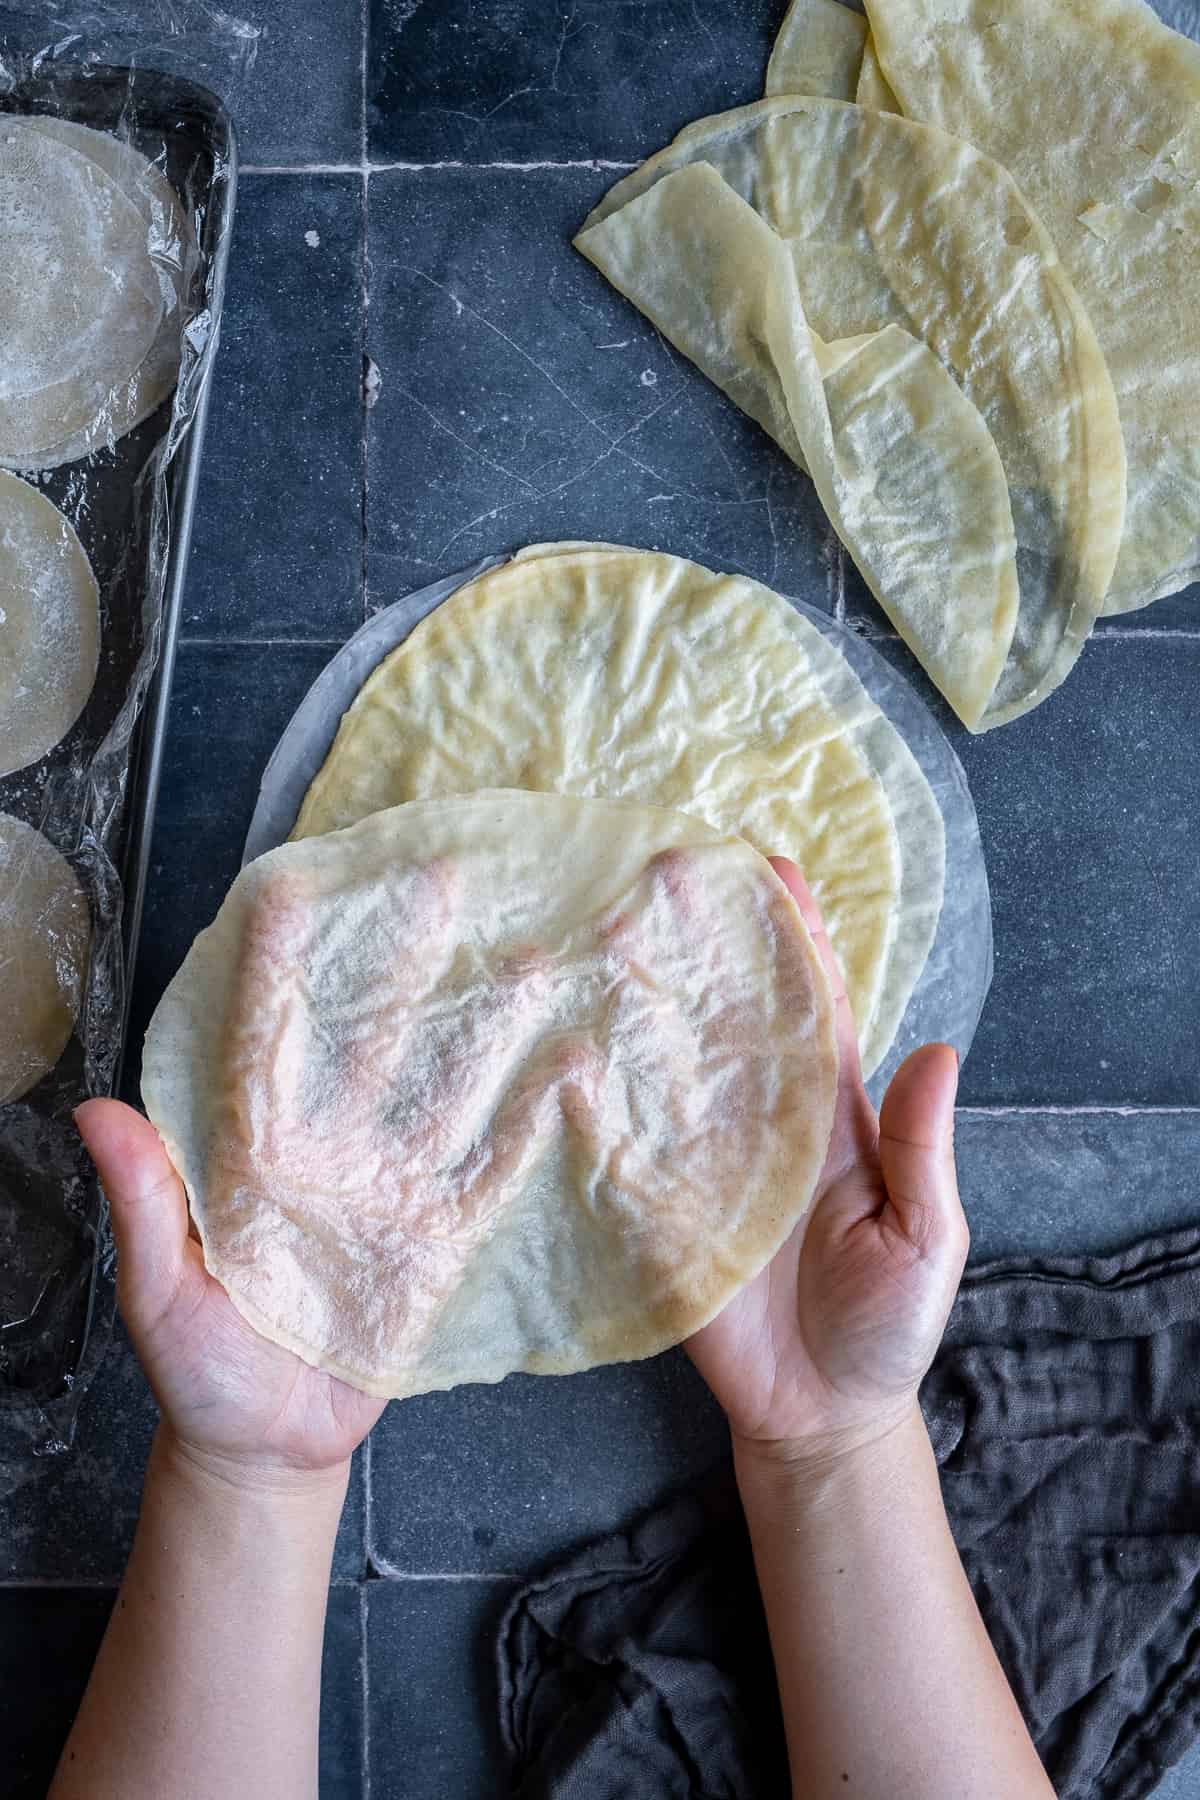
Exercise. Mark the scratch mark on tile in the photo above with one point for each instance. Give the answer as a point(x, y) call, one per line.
point(479, 120)
point(704, 26)
point(476, 455)
point(563, 38)
point(772, 530)
point(512, 343)
point(494, 512)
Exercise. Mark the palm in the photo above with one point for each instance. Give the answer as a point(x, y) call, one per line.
point(233, 1391)
point(226, 1390)
point(847, 1315)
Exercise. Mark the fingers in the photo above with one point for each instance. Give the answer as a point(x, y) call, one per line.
point(148, 1205)
point(798, 888)
point(916, 1151)
point(857, 1123)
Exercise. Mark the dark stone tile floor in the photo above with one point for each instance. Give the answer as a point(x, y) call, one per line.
point(431, 1677)
point(548, 81)
point(279, 556)
point(522, 399)
point(519, 398)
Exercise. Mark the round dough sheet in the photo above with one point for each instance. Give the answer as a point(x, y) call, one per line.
point(513, 1081)
point(49, 625)
point(80, 298)
point(44, 932)
point(638, 676)
point(171, 247)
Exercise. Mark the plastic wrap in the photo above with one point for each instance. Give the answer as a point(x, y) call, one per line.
point(129, 499)
point(948, 998)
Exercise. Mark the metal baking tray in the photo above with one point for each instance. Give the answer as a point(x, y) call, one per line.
point(52, 1220)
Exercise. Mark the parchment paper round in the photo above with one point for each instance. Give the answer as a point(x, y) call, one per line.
point(948, 998)
point(44, 930)
point(49, 625)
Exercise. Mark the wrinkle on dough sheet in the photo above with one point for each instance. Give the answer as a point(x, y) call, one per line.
point(511, 1081)
point(819, 50)
point(1112, 164)
point(634, 675)
point(903, 233)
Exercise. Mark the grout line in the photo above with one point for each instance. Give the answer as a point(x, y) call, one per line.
point(1118, 1109)
point(365, 13)
point(386, 1571)
point(867, 628)
point(315, 168)
point(368, 1502)
point(597, 164)
point(234, 643)
point(367, 397)
point(364, 166)
point(364, 300)
point(1115, 634)
point(93, 1583)
point(364, 1688)
point(383, 1574)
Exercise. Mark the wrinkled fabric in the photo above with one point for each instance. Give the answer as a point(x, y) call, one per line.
point(1064, 1408)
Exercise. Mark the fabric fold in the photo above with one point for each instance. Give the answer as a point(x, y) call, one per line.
point(1064, 1414)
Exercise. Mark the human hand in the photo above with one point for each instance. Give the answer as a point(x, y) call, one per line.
point(237, 1405)
point(825, 1349)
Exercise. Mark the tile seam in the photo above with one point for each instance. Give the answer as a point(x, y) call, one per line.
point(364, 1688)
point(109, 1584)
point(282, 643)
point(1139, 634)
point(364, 301)
point(1120, 1109)
point(385, 1572)
point(93, 1584)
point(368, 1504)
point(364, 166)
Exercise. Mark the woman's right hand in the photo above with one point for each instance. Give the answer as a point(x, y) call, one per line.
point(826, 1348)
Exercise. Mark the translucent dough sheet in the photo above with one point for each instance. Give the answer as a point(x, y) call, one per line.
point(126, 487)
point(949, 996)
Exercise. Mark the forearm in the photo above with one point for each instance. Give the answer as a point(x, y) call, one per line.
point(889, 1684)
point(208, 1680)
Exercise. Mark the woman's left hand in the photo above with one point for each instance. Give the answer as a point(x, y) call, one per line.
point(242, 1406)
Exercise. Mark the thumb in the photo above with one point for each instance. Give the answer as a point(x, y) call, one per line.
point(148, 1206)
point(916, 1152)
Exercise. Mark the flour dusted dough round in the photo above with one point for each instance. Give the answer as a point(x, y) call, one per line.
point(510, 1081)
point(637, 676)
point(171, 246)
point(44, 932)
point(80, 298)
point(49, 625)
